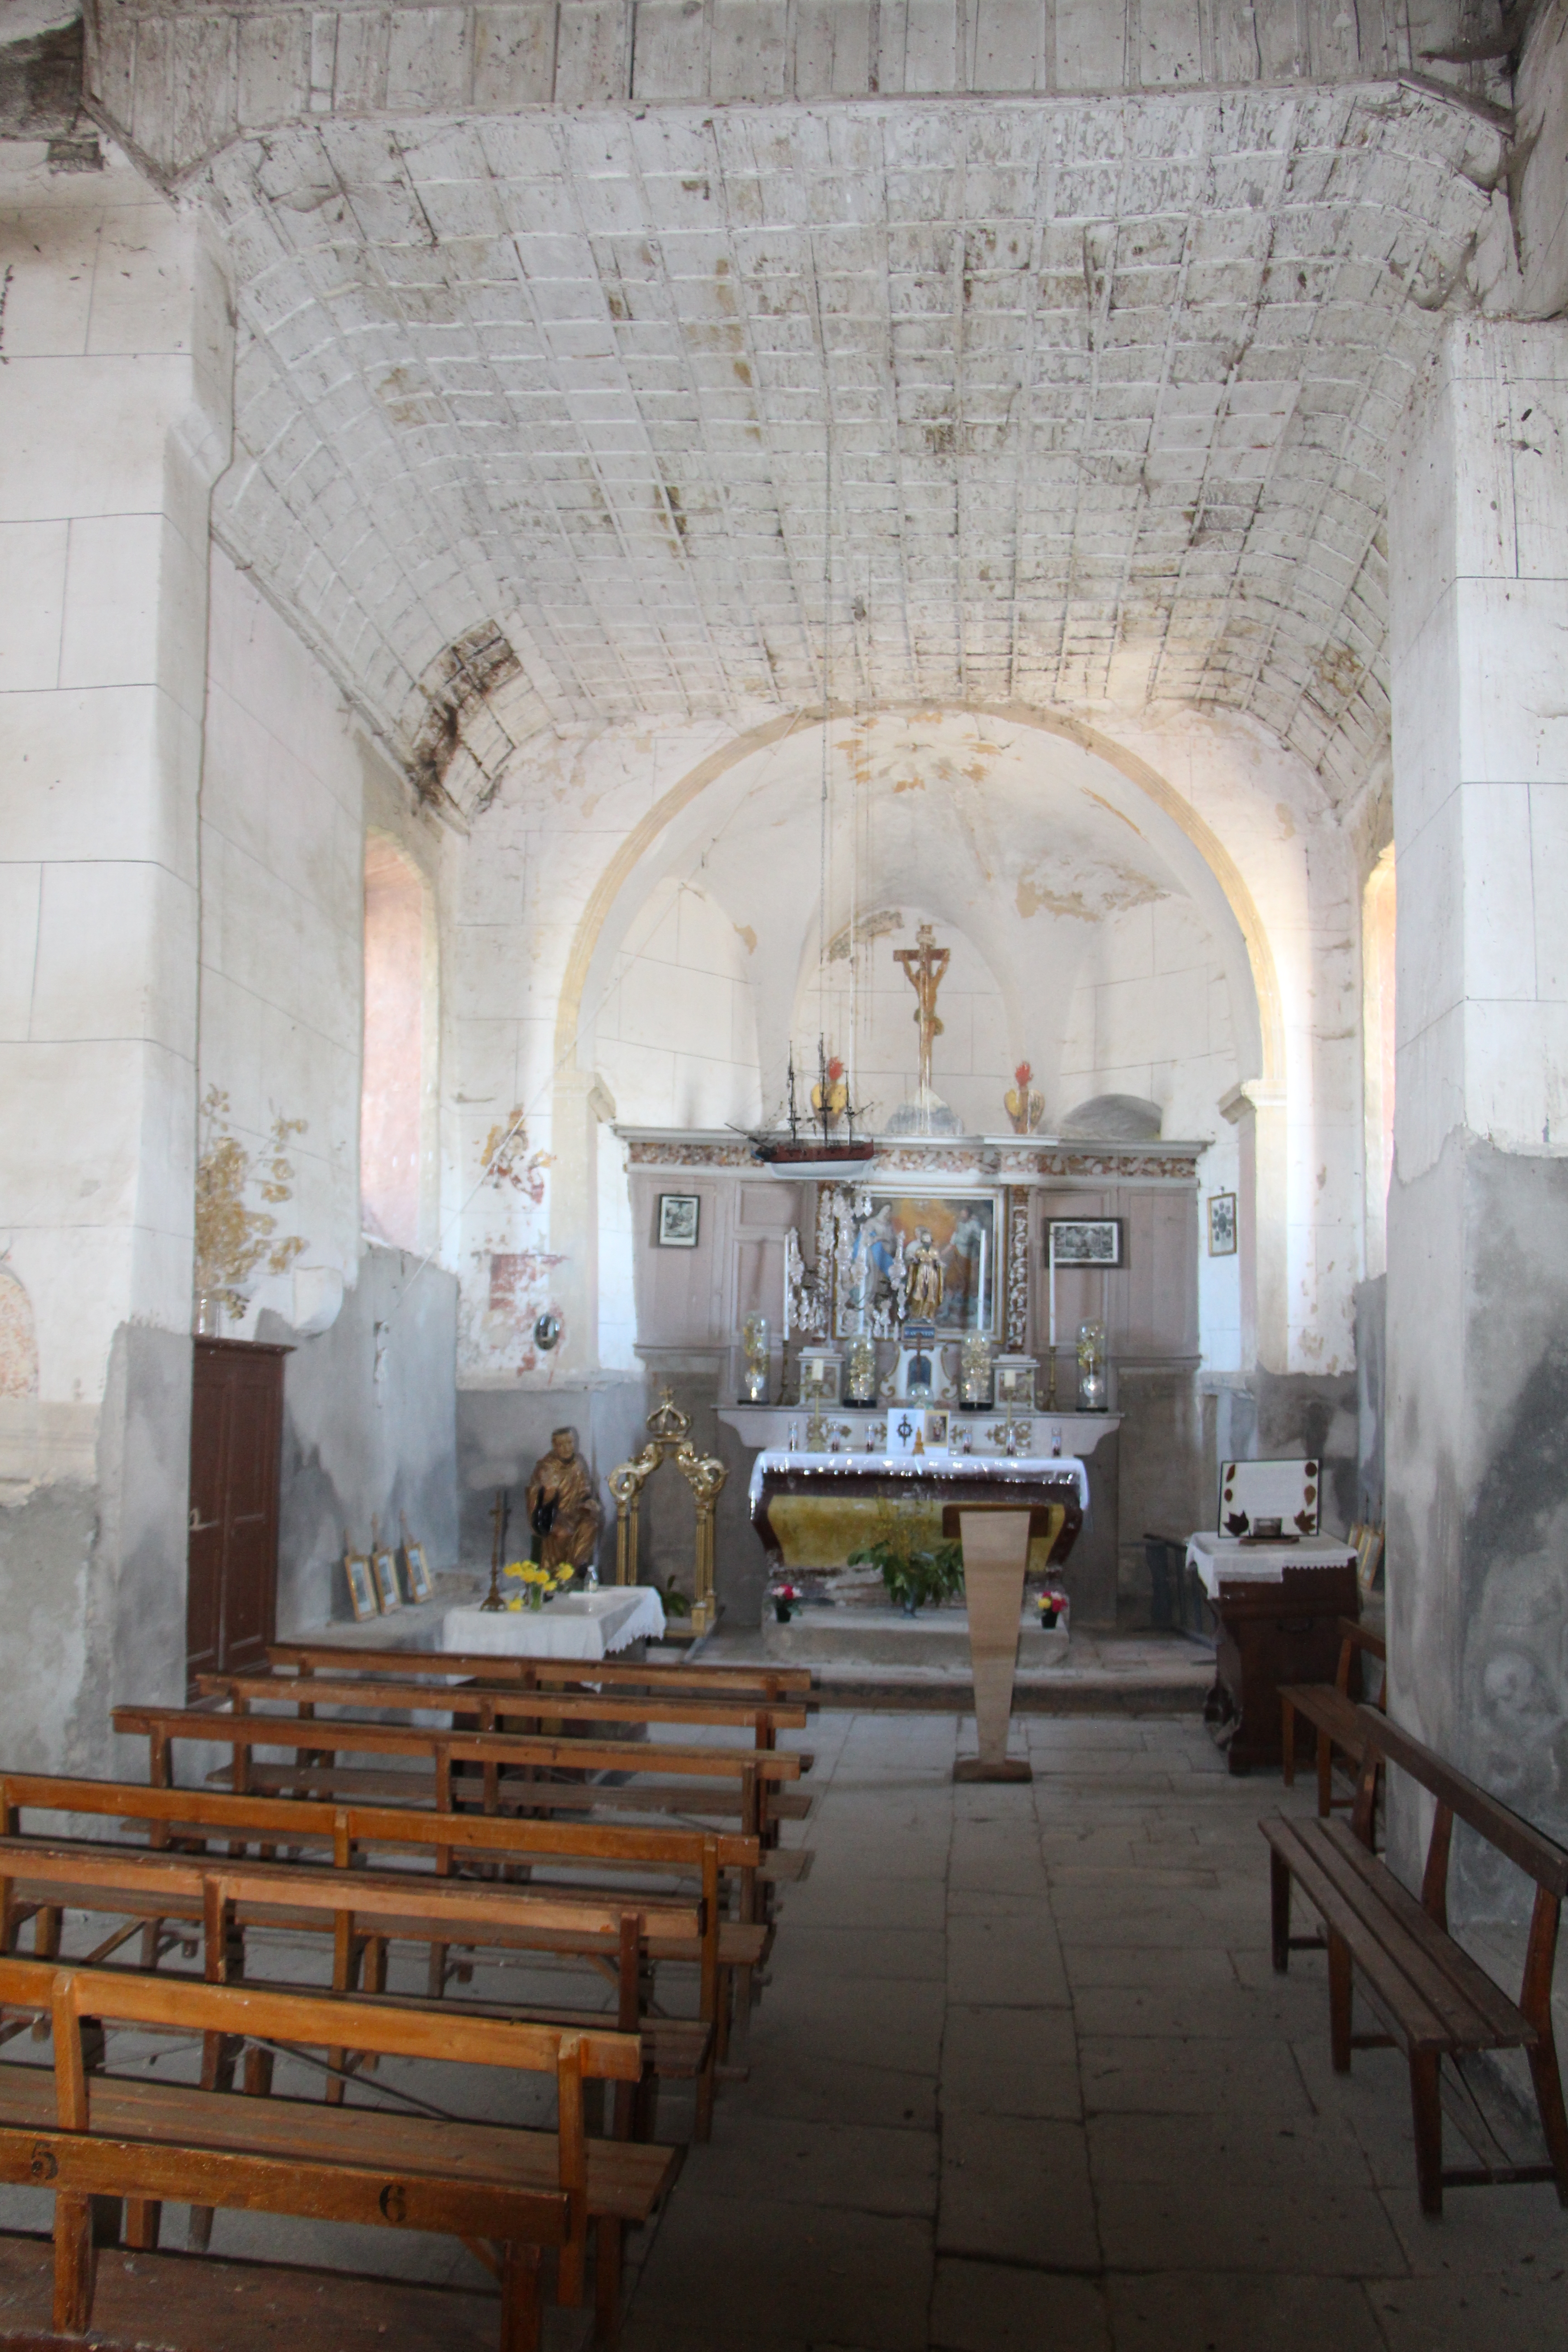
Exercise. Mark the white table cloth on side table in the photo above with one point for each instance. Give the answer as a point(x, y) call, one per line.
point(577, 1625)
point(1226, 1557)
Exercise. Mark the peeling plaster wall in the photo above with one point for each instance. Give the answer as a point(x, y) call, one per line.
point(675, 1039)
point(369, 1432)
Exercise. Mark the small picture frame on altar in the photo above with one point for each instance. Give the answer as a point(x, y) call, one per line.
point(414, 1561)
point(936, 1429)
point(1222, 1224)
point(680, 1215)
point(387, 1590)
point(362, 1590)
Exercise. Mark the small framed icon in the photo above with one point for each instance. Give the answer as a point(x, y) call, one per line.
point(419, 1585)
point(678, 1214)
point(387, 1590)
point(361, 1589)
point(1222, 1224)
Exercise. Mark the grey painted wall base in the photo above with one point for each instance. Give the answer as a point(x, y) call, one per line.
point(1478, 1489)
point(369, 1430)
point(92, 1577)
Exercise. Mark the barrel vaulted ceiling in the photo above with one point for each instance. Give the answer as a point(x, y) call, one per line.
point(1094, 393)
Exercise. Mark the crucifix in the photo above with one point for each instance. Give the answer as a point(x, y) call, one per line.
point(924, 965)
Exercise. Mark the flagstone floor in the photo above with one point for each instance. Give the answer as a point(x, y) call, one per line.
point(1023, 2077)
point(1022, 2080)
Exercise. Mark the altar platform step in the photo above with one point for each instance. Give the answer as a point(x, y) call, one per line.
point(1102, 1673)
point(887, 1637)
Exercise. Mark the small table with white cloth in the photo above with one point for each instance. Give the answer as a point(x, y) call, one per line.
point(1278, 1607)
point(574, 1625)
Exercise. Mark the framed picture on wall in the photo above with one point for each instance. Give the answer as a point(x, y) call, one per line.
point(387, 1590)
point(1222, 1224)
point(1083, 1241)
point(677, 1219)
point(419, 1587)
point(361, 1591)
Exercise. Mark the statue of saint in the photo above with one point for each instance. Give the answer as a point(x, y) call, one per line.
point(924, 965)
point(927, 1281)
point(563, 1511)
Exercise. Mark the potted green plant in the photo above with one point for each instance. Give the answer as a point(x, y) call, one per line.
point(919, 1572)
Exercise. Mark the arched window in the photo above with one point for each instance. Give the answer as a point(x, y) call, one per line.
point(1377, 1046)
point(394, 1082)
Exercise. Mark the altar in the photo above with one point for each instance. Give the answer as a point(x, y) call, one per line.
point(1009, 1512)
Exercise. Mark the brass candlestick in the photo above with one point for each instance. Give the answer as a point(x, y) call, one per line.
point(500, 1511)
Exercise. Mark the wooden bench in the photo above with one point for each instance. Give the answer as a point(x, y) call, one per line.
point(528, 1706)
point(1435, 1999)
point(746, 1782)
point(770, 1686)
point(729, 1953)
point(362, 1912)
point(1334, 1714)
point(88, 2136)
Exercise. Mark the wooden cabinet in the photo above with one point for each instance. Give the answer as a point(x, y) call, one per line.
point(237, 1436)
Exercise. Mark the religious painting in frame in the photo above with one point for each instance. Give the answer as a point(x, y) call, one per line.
point(419, 1585)
point(362, 1590)
point(1222, 1224)
point(1083, 1241)
point(388, 1592)
point(679, 1216)
point(950, 1247)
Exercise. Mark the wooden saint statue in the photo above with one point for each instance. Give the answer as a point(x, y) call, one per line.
point(563, 1511)
point(924, 966)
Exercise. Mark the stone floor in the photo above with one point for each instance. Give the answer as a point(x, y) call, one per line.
point(1021, 2077)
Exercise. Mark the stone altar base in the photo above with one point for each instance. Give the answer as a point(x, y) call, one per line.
point(885, 1637)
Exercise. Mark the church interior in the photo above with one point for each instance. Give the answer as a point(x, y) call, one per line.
point(804, 1155)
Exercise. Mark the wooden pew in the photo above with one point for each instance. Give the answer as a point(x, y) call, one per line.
point(746, 1780)
point(1333, 1713)
point(770, 1686)
point(362, 1911)
point(729, 1953)
point(764, 1722)
point(87, 2135)
point(1434, 1999)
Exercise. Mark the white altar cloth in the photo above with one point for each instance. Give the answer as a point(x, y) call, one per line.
point(575, 1625)
point(1217, 1557)
point(924, 1466)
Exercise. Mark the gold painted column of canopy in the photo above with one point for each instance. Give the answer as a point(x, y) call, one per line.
point(996, 1539)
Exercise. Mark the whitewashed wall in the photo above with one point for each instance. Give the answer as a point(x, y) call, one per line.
point(283, 896)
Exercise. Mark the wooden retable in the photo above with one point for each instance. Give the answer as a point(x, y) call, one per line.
point(1278, 1608)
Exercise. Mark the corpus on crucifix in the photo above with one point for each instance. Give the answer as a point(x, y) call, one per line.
point(924, 966)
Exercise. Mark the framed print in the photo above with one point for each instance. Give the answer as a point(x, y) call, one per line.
point(947, 1244)
point(1084, 1240)
point(1222, 1224)
point(361, 1591)
point(387, 1590)
point(678, 1220)
point(420, 1586)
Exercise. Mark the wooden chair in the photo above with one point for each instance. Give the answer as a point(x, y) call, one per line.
point(88, 2135)
point(1435, 1999)
point(1332, 1711)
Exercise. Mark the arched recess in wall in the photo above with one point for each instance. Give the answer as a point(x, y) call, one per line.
point(1114, 778)
point(398, 1086)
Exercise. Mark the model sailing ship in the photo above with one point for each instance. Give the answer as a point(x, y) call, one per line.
point(813, 1148)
